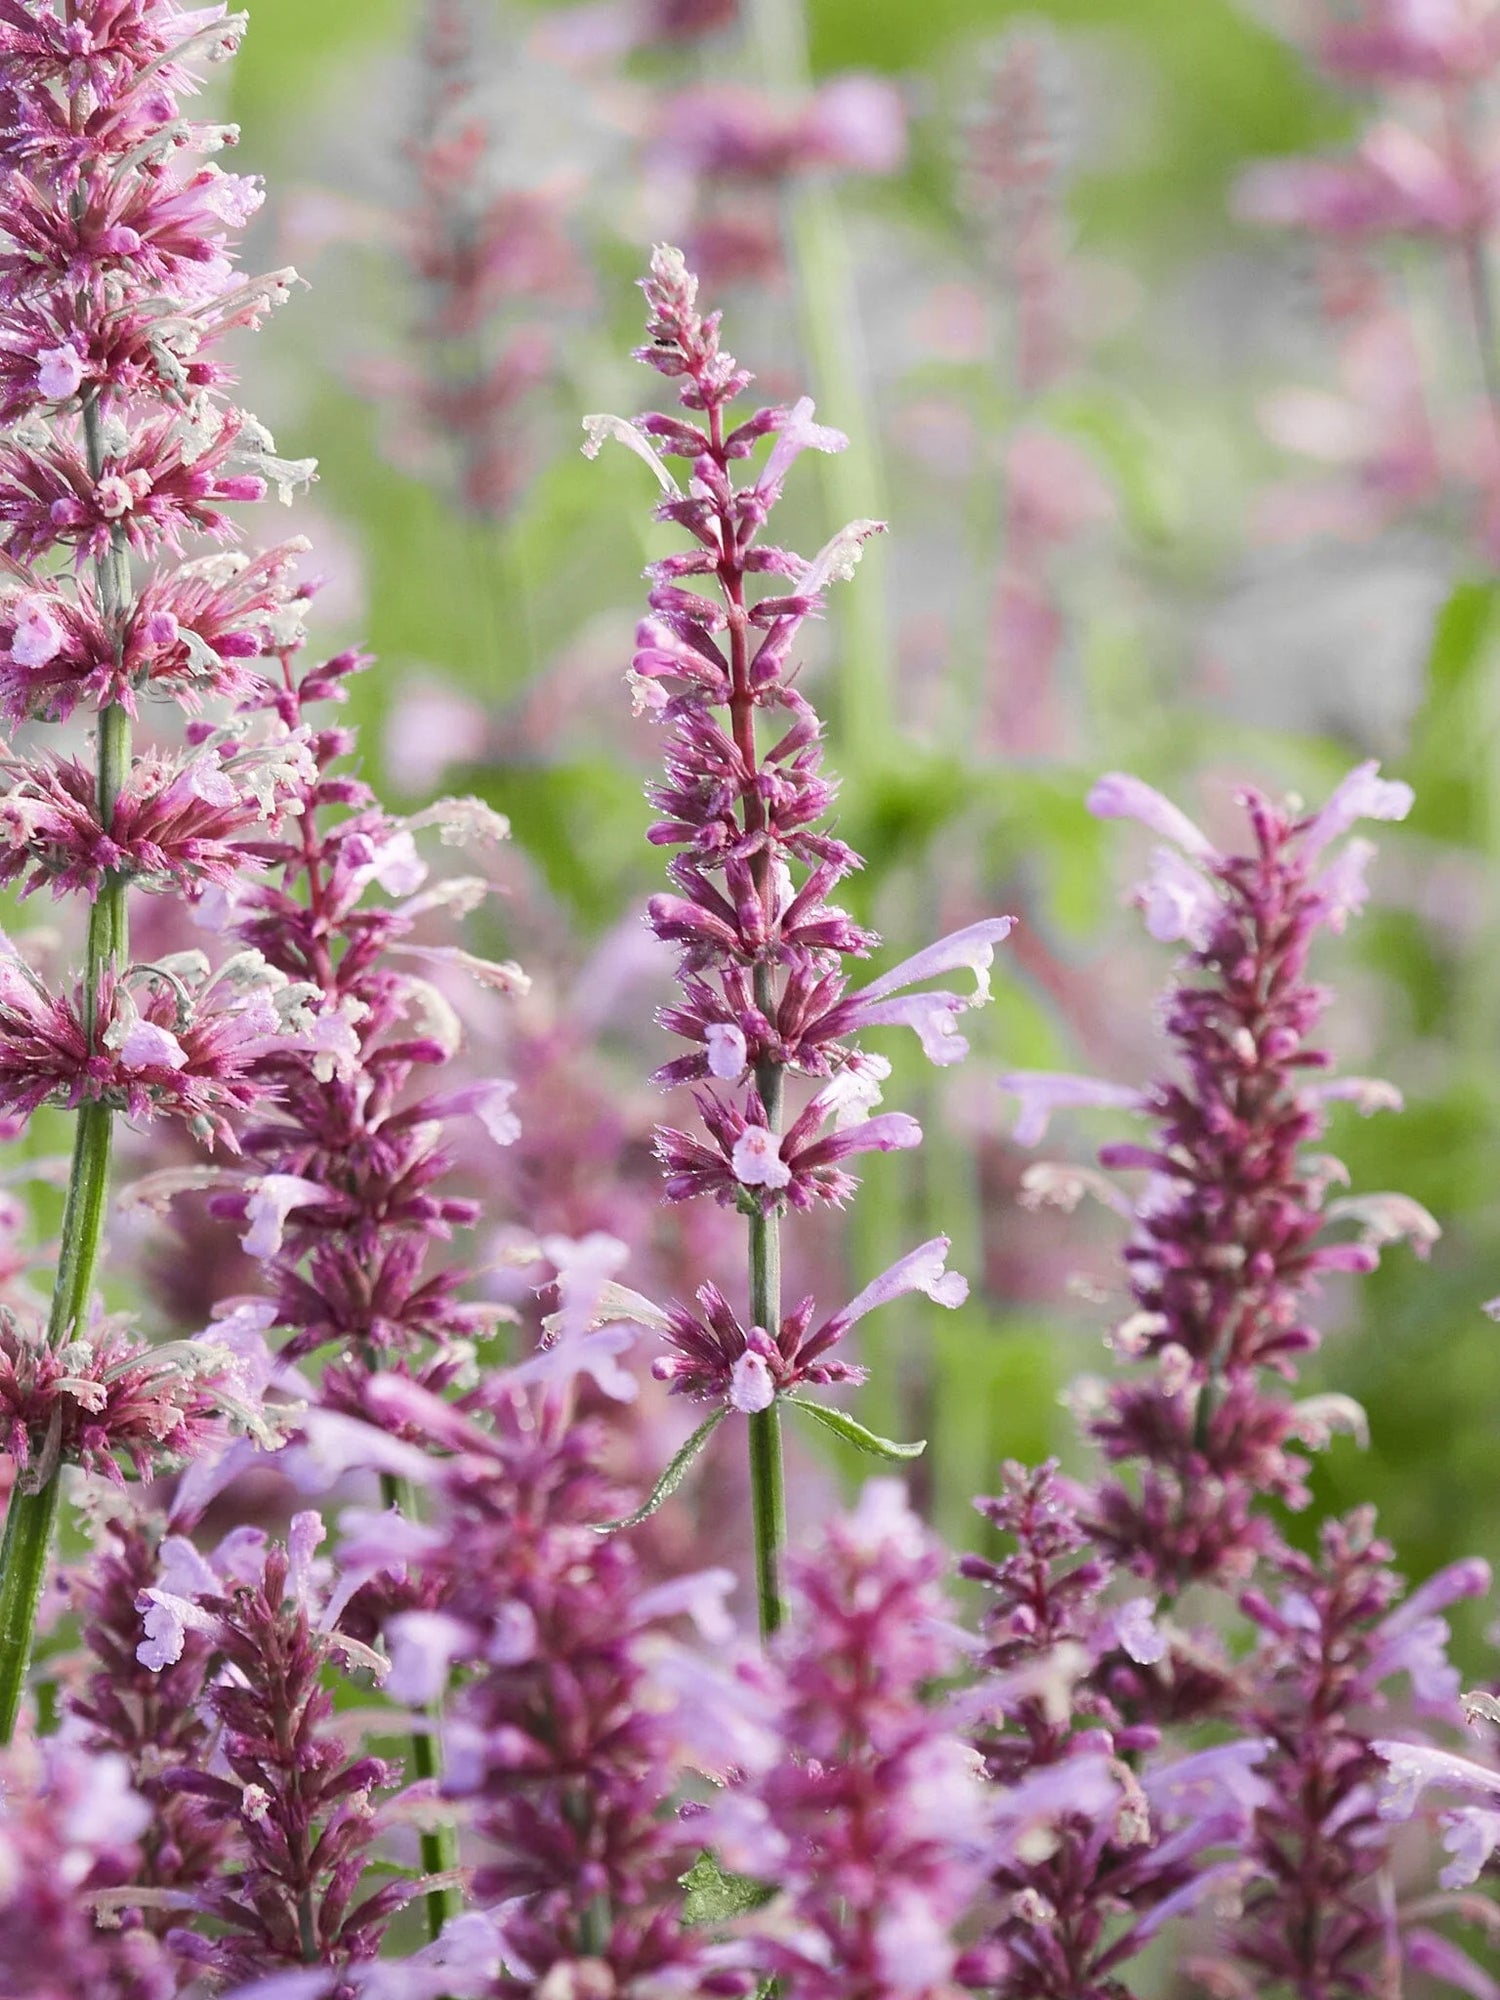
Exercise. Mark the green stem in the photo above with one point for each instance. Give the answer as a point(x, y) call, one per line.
point(31, 1516)
point(439, 1843)
point(767, 1473)
point(23, 1570)
point(854, 478)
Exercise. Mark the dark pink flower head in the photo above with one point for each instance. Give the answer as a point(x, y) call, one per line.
point(767, 1004)
point(579, 1705)
point(192, 634)
point(304, 1809)
point(872, 1819)
point(108, 1397)
point(1234, 1226)
point(177, 820)
point(713, 1357)
point(166, 1041)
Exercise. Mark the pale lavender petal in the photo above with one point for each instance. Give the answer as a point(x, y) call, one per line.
point(145, 1045)
point(1364, 794)
point(920, 1270)
point(932, 1016)
point(701, 1596)
point(798, 434)
point(1180, 905)
point(1117, 795)
point(1136, 1632)
point(913, 1948)
point(423, 1646)
point(1341, 887)
point(1368, 1094)
point(971, 949)
point(757, 1160)
point(751, 1388)
point(167, 1620)
point(726, 1050)
point(1411, 1767)
point(1470, 1835)
point(594, 1354)
point(1444, 1960)
point(1044, 1091)
point(272, 1199)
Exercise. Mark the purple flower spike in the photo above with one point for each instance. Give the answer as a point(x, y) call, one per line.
point(766, 1005)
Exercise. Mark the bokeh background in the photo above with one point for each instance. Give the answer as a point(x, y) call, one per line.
point(1169, 490)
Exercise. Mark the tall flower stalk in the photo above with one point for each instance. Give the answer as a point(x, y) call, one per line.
point(765, 1002)
point(116, 283)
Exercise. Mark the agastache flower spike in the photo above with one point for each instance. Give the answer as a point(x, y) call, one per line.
point(1232, 1230)
point(117, 283)
point(765, 993)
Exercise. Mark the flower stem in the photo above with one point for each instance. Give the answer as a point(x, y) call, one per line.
point(439, 1844)
point(767, 1473)
point(31, 1516)
point(23, 1570)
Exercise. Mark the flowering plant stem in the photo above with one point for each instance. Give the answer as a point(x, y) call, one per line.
point(439, 1844)
point(767, 1475)
point(31, 1516)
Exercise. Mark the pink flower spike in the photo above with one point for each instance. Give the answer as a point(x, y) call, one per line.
point(272, 1199)
point(757, 1160)
point(1364, 794)
point(1117, 795)
point(1043, 1091)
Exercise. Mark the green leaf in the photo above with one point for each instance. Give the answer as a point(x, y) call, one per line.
point(671, 1479)
point(845, 1427)
point(714, 1897)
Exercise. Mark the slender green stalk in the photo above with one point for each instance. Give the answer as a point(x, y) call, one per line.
point(855, 479)
point(29, 1523)
point(439, 1844)
point(767, 1473)
point(31, 1517)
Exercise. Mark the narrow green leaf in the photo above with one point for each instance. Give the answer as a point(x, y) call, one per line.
point(671, 1479)
point(845, 1427)
point(714, 1897)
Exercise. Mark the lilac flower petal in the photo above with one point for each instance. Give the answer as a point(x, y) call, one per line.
point(1441, 1959)
point(751, 1387)
point(756, 1159)
point(920, 1270)
point(702, 1596)
point(273, 1197)
point(1180, 905)
point(971, 949)
point(1411, 1767)
point(1364, 794)
point(423, 1646)
point(1117, 795)
point(1043, 1091)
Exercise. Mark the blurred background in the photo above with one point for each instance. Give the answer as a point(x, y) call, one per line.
point(1190, 468)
